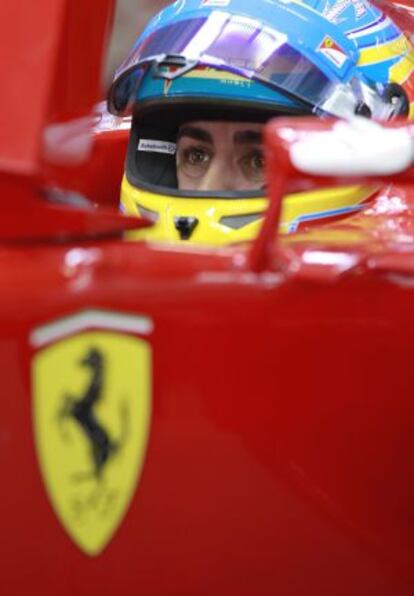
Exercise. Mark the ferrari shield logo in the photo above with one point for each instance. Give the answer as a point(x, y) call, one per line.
point(91, 418)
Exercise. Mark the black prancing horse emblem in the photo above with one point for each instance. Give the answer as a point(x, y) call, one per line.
point(82, 410)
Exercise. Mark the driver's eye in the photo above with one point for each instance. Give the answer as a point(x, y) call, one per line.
point(257, 161)
point(195, 156)
point(193, 161)
point(253, 165)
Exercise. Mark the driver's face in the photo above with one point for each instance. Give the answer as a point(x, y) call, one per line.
point(220, 156)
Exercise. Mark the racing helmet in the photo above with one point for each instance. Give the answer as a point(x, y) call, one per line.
point(244, 61)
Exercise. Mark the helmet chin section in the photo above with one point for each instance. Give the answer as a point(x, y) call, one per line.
point(220, 221)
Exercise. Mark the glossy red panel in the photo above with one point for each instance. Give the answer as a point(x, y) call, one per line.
point(50, 62)
point(280, 447)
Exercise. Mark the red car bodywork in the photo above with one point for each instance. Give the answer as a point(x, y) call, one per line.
point(280, 453)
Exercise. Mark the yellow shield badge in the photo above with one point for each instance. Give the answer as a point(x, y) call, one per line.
point(92, 404)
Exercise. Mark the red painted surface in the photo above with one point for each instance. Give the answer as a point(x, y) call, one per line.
point(281, 449)
point(50, 68)
point(281, 438)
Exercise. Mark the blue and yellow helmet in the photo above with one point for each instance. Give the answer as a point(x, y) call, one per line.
point(239, 60)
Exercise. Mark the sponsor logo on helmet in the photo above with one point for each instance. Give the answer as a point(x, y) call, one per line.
point(331, 50)
point(91, 392)
point(209, 73)
point(154, 146)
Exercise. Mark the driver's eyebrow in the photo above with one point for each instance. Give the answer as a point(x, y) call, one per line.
point(199, 134)
point(247, 136)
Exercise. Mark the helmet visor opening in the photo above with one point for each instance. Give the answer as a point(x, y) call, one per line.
point(151, 162)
